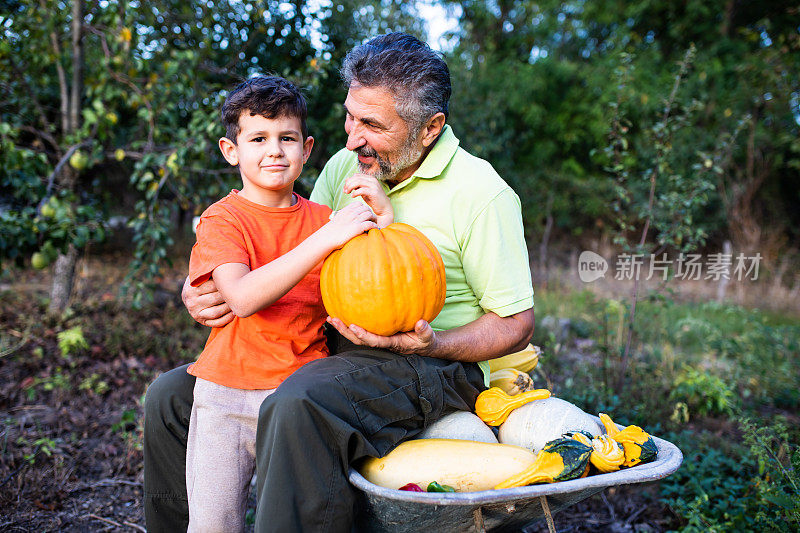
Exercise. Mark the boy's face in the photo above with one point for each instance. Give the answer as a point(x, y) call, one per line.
point(270, 153)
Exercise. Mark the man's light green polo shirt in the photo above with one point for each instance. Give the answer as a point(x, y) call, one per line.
point(472, 217)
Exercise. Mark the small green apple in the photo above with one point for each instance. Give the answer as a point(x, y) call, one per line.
point(79, 161)
point(39, 261)
point(48, 211)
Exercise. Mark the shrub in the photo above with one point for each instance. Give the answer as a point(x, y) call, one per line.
point(703, 393)
point(726, 486)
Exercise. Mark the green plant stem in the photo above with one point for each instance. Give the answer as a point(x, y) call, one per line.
point(654, 174)
point(777, 461)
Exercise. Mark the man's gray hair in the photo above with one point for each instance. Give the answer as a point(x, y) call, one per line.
point(417, 76)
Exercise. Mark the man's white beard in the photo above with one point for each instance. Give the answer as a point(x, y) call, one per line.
point(387, 172)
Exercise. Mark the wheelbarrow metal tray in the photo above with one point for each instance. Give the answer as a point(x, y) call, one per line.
point(388, 510)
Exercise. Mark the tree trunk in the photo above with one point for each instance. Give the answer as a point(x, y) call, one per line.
point(76, 93)
point(727, 18)
point(724, 280)
point(739, 196)
point(64, 272)
point(63, 277)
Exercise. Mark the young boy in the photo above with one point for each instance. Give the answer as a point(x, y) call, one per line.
point(263, 247)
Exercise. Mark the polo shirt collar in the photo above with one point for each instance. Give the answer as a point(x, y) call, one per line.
point(438, 158)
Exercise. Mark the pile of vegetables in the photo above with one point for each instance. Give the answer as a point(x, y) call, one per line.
point(575, 454)
point(542, 439)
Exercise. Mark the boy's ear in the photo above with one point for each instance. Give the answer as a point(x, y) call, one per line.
point(308, 144)
point(229, 152)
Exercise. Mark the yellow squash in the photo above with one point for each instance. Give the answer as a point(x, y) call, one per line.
point(524, 360)
point(494, 405)
point(467, 466)
point(511, 380)
point(637, 444)
point(560, 460)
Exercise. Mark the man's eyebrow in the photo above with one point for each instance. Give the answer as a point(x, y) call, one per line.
point(366, 120)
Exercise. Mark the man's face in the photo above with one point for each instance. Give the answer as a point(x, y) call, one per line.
point(384, 143)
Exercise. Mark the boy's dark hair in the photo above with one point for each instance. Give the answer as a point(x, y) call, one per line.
point(268, 96)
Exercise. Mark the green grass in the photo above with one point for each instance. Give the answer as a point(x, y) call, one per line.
point(752, 353)
point(721, 381)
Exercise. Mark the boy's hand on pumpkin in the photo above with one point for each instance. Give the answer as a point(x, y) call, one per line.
point(420, 341)
point(352, 220)
point(370, 189)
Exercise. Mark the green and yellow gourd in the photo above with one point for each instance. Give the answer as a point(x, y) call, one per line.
point(560, 460)
point(638, 446)
point(607, 454)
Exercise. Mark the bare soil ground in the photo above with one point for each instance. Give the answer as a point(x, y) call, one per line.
point(71, 424)
point(70, 419)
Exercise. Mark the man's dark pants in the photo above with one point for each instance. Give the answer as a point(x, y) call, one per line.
point(328, 414)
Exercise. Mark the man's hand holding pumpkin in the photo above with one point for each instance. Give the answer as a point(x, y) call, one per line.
point(206, 305)
point(421, 341)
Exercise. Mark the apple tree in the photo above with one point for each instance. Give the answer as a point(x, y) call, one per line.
point(98, 90)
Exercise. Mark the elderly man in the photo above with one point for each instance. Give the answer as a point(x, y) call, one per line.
point(373, 392)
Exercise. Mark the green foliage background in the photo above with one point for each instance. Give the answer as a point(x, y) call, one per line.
point(577, 104)
point(538, 89)
point(719, 381)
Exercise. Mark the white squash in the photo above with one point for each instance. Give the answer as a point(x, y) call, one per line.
point(535, 424)
point(466, 466)
point(461, 425)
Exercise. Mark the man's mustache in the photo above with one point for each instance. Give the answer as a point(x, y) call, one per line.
point(366, 151)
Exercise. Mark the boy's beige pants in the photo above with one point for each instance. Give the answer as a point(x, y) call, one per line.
point(220, 455)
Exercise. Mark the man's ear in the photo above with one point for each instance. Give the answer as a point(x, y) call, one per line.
point(432, 129)
point(229, 152)
point(308, 144)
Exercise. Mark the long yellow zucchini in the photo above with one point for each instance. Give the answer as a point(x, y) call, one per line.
point(467, 466)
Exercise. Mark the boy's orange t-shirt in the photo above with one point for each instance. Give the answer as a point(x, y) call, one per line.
point(260, 351)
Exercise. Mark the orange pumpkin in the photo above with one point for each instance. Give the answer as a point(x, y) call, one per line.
point(384, 280)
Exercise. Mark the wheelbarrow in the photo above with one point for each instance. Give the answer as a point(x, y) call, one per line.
point(381, 509)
